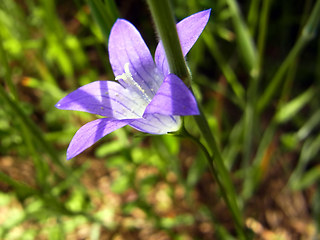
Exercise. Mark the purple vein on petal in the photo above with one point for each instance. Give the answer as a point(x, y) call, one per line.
point(105, 98)
point(157, 124)
point(142, 65)
point(139, 71)
point(173, 98)
point(127, 46)
point(142, 70)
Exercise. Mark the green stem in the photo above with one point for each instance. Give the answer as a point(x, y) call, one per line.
point(220, 180)
point(250, 116)
point(221, 173)
point(32, 127)
point(40, 166)
point(263, 26)
point(105, 14)
point(162, 14)
point(165, 25)
point(244, 41)
point(225, 68)
point(308, 33)
point(253, 16)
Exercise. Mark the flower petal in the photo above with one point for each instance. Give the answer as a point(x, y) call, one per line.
point(189, 30)
point(157, 124)
point(173, 98)
point(105, 98)
point(127, 46)
point(91, 132)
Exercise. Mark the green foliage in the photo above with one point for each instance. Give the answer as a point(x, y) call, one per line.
point(255, 70)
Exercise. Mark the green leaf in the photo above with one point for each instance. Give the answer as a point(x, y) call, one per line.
point(290, 109)
point(104, 14)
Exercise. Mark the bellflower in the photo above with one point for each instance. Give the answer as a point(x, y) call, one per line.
point(146, 97)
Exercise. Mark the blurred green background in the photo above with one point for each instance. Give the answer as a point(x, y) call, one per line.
point(256, 71)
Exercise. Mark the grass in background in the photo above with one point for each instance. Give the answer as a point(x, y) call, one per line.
point(256, 71)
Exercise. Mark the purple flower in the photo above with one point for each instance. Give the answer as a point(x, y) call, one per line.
point(149, 98)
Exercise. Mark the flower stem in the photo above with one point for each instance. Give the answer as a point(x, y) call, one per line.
point(163, 17)
point(162, 14)
point(220, 173)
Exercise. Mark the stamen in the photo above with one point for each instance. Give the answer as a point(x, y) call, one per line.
point(128, 79)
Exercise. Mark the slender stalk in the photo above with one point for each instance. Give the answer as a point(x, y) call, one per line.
point(244, 40)
point(162, 14)
point(225, 68)
point(248, 52)
point(292, 70)
point(221, 173)
point(213, 169)
point(308, 33)
point(263, 26)
point(253, 16)
point(165, 25)
point(105, 14)
point(32, 127)
point(251, 117)
point(40, 165)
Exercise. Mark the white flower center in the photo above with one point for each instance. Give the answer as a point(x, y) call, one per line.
point(128, 79)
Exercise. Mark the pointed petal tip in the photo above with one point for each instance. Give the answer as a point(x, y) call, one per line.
point(58, 105)
point(189, 30)
point(196, 111)
point(61, 104)
point(91, 132)
point(71, 153)
point(205, 14)
point(69, 157)
point(119, 21)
